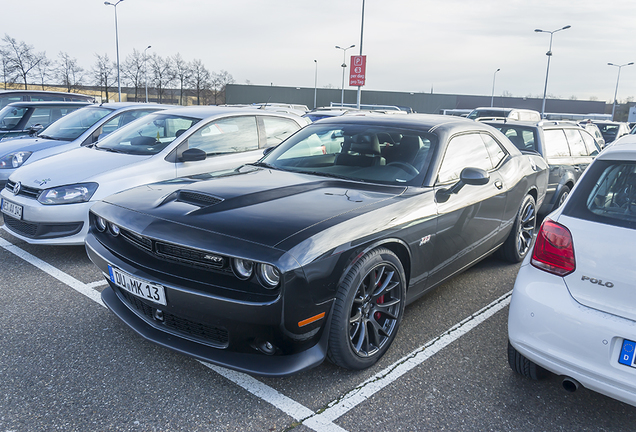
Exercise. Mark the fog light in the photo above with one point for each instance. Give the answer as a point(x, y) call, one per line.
point(268, 275)
point(100, 224)
point(114, 229)
point(243, 269)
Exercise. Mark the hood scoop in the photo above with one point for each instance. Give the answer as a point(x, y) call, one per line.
point(194, 198)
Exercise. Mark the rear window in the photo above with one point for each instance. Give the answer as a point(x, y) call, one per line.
point(606, 194)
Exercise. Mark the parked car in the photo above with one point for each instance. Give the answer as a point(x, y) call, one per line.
point(594, 131)
point(28, 118)
point(314, 251)
point(10, 96)
point(572, 310)
point(611, 130)
point(567, 148)
point(48, 200)
point(80, 128)
point(509, 113)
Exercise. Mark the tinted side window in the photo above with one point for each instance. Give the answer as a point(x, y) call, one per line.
point(497, 154)
point(577, 146)
point(277, 129)
point(229, 135)
point(592, 146)
point(555, 143)
point(464, 151)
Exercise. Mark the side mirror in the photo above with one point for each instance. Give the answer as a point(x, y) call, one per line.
point(469, 176)
point(33, 130)
point(193, 155)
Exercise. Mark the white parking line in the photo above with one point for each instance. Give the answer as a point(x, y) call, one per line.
point(78, 286)
point(322, 421)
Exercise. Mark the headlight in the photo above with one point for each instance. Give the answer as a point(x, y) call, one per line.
point(100, 224)
point(243, 269)
point(69, 194)
point(14, 160)
point(268, 275)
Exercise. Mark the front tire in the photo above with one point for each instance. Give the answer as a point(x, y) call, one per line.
point(368, 309)
point(519, 241)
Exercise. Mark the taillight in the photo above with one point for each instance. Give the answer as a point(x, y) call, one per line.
point(553, 250)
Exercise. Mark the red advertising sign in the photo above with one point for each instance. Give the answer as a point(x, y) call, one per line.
point(358, 70)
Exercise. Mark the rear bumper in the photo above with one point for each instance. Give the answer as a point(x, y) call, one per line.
point(547, 326)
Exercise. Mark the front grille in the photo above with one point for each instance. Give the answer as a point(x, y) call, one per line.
point(210, 335)
point(197, 198)
point(25, 191)
point(25, 228)
point(191, 256)
point(137, 240)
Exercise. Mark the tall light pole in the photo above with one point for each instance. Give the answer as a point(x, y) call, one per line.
point(344, 66)
point(315, 83)
point(117, 45)
point(492, 95)
point(361, 39)
point(145, 74)
point(617, 78)
point(549, 54)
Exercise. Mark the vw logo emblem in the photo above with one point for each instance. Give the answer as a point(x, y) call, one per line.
point(16, 188)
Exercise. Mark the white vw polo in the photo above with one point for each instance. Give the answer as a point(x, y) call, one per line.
point(47, 202)
point(573, 307)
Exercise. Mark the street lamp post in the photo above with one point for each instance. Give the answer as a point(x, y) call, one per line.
point(549, 54)
point(116, 45)
point(315, 83)
point(344, 66)
point(145, 74)
point(492, 95)
point(617, 78)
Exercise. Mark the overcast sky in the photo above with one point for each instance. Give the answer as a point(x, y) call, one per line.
point(448, 46)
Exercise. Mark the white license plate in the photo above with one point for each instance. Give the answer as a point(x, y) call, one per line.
point(12, 209)
point(138, 287)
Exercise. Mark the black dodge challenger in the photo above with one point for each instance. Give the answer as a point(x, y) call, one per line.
point(314, 251)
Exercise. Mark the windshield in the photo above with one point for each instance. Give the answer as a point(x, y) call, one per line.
point(488, 113)
point(366, 152)
point(148, 135)
point(11, 116)
point(72, 125)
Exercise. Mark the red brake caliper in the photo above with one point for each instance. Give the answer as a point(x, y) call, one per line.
point(379, 301)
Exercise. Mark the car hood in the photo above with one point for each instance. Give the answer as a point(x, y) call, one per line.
point(255, 204)
point(74, 166)
point(27, 144)
point(605, 275)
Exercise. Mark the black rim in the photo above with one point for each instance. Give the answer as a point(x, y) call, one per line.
point(375, 310)
point(564, 195)
point(527, 225)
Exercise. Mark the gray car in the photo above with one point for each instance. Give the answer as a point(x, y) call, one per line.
point(567, 147)
point(79, 128)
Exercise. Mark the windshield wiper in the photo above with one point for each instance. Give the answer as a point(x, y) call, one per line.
point(265, 165)
point(48, 137)
point(108, 149)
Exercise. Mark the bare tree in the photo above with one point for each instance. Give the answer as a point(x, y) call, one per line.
point(104, 73)
point(182, 74)
point(44, 69)
point(133, 71)
point(219, 81)
point(68, 72)
point(199, 79)
point(163, 74)
point(22, 58)
point(7, 67)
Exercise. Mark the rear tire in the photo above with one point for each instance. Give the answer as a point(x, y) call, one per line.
point(563, 194)
point(519, 241)
point(525, 367)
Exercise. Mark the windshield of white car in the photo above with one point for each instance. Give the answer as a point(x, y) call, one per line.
point(72, 125)
point(147, 135)
point(360, 152)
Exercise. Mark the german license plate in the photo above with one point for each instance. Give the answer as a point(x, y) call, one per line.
point(12, 209)
point(138, 287)
point(627, 353)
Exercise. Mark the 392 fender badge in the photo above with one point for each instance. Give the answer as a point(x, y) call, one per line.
point(425, 240)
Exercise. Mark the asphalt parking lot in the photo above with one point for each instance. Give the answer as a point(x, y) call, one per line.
point(68, 364)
